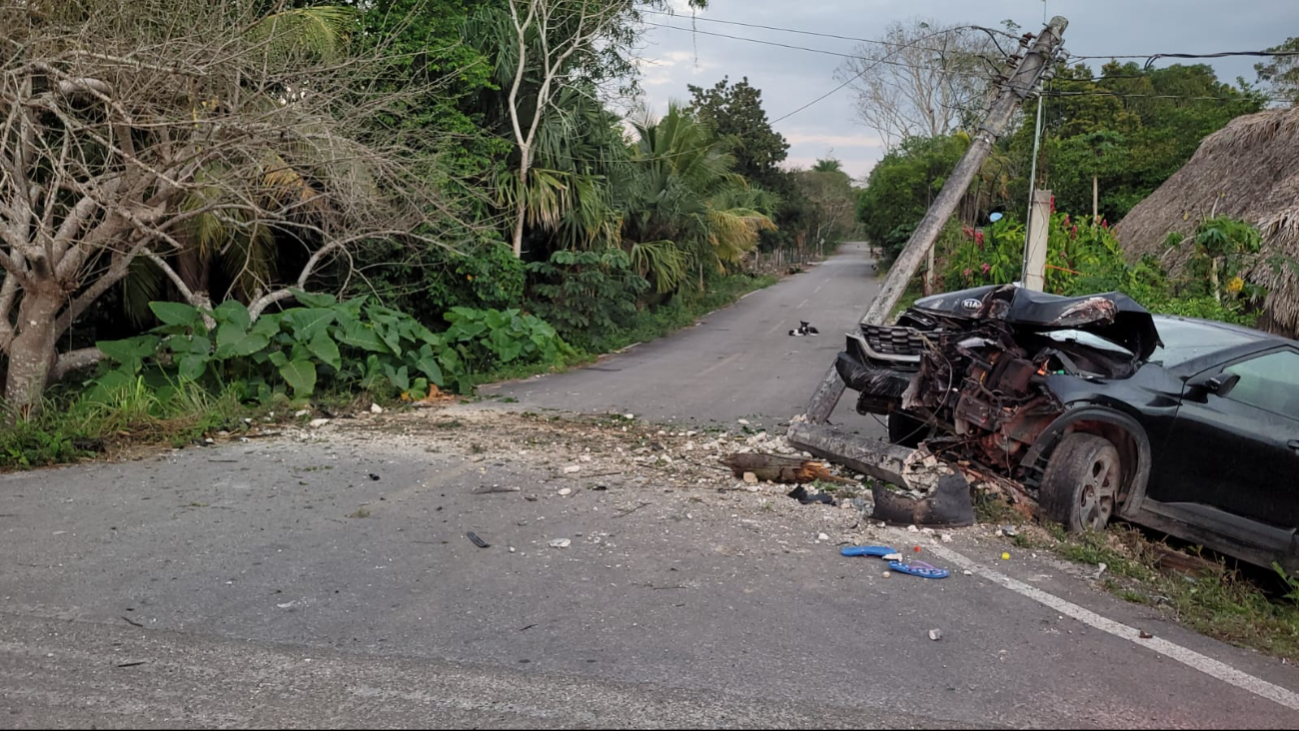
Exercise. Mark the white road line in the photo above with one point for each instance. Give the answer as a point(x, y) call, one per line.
point(800, 304)
point(1189, 658)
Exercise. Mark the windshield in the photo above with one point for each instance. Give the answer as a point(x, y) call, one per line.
point(1186, 340)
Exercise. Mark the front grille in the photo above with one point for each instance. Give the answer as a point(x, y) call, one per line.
point(893, 343)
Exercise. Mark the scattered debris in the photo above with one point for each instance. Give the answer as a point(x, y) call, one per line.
point(750, 478)
point(871, 551)
point(131, 664)
point(822, 537)
point(919, 568)
point(801, 494)
point(374, 477)
point(376, 409)
point(1145, 635)
point(886, 574)
point(946, 537)
point(1005, 556)
point(561, 543)
point(742, 422)
point(489, 489)
point(565, 491)
point(317, 423)
point(1100, 569)
point(777, 468)
point(572, 468)
point(131, 622)
point(1009, 531)
point(472, 536)
point(967, 572)
point(935, 635)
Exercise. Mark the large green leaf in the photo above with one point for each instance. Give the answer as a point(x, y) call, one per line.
point(360, 335)
point(314, 299)
point(305, 322)
point(429, 367)
point(233, 312)
point(130, 352)
point(323, 347)
point(192, 366)
point(176, 313)
point(301, 375)
point(245, 345)
point(400, 377)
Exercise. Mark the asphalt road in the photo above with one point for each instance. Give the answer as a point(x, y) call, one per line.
point(737, 363)
point(242, 587)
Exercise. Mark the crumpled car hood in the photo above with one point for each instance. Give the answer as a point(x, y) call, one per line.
point(1113, 315)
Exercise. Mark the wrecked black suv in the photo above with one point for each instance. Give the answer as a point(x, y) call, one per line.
point(1092, 406)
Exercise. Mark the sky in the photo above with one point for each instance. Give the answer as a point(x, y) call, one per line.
point(788, 78)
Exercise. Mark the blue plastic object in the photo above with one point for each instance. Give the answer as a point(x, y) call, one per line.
point(919, 568)
point(872, 551)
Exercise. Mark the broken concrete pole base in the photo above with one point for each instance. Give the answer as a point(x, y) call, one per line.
point(938, 495)
point(947, 505)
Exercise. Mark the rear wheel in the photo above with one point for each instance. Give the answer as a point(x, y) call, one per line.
point(1082, 482)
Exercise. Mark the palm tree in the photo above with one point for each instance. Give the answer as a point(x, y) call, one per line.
point(687, 207)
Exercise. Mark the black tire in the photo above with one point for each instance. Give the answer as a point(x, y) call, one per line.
point(906, 430)
point(1082, 482)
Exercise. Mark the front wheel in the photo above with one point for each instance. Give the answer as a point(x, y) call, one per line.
point(1081, 483)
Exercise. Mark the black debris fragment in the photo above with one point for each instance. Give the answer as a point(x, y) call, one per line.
point(476, 540)
point(804, 497)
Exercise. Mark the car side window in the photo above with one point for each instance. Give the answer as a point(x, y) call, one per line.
point(1269, 382)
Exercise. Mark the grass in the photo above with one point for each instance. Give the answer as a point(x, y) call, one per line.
point(1237, 604)
point(69, 427)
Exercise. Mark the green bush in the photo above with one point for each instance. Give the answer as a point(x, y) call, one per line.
point(1085, 258)
point(589, 296)
point(357, 343)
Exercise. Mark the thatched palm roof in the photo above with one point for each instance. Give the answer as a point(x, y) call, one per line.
point(1247, 170)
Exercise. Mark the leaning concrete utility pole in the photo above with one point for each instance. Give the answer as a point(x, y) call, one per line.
point(1019, 87)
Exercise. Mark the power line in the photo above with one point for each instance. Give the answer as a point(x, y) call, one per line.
point(815, 33)
point(815, 50)
point(1122, 95)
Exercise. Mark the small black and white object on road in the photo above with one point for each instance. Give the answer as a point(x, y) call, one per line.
point(803, 329)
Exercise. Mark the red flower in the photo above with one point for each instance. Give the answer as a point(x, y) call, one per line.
point(978, 238)
point(1066, 220)
point(966, 273)
point(969, 232)
point(1074, 232)
point(986, 267)
point(1053, 204)
point(1105, 224)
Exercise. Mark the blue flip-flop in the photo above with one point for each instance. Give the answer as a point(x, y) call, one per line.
point(872, 551)
point(919, 568)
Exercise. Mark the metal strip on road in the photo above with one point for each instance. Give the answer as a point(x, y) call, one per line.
point(1189, 658)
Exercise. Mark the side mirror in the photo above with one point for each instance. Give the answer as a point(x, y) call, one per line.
point(1220, 384)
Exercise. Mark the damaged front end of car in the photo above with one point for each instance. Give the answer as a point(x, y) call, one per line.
point(981, 370)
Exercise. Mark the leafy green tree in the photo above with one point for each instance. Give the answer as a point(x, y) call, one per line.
point(1280, 74)
point(735, 111)
point(901, 187)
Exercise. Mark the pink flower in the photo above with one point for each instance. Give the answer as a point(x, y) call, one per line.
point(1053, 204)
point(986, 268)
point(1066, 220)
point(967, 231)
point(978, 238)
point(966, 273)
point(1074, 232)
point(1105, 224)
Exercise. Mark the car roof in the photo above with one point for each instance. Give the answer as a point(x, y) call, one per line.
point(1210, 326)
point(1188, 339)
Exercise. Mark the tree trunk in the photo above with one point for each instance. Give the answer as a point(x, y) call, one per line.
point(1096, 214)
point(31, 354)
point(521, 204)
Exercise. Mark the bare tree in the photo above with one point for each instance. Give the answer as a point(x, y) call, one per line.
point(921, 79)
point(130, 130)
